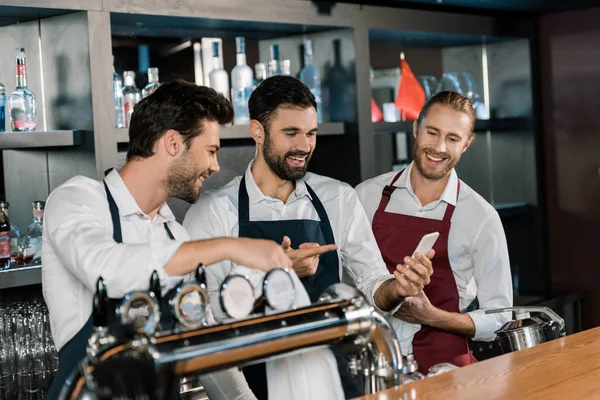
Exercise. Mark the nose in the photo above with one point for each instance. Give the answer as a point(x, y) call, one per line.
point(440, 144)
point(215, 167)
point(303, 143)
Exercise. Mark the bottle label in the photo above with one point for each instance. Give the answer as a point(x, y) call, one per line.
point(4, 245)
point(20, 124)
point(21, 70)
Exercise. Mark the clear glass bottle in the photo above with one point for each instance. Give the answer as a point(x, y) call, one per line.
point(311, 77)
point(131, 95)
point(15, 233)
point(22, 100)
point(242, 84)
point(119, 100)
point(153, 83)
point(286, 67)
point(2, 107)
point(30, 250)
point(274, 63)
point(261, 73)
point(218, 78)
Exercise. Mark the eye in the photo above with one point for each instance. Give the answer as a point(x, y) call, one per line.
point(433, 133)
point(290, 134)
point(311, 134)
point(453, 139)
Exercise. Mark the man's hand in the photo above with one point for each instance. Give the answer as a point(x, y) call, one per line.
point(416, 309)
point(260, 254)
point(412, 277)
point(407, 281)
point(305, 260)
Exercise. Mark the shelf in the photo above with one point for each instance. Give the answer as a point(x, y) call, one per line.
point(243, 131)
point(21, 276)
point(11, 15)
point(494, 125)
point(37, 139)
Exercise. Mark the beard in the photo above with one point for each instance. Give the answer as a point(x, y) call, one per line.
point(425, 170)
point(181, 181)
point(279, 165)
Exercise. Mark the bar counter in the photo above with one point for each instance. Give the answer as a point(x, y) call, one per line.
point(567, 368)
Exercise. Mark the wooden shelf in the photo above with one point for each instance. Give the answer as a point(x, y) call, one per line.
point(243, 131)
point(21, 276)
point(494, 125)
point(38, 139)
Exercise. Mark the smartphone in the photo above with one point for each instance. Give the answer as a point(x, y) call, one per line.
point(426, 243)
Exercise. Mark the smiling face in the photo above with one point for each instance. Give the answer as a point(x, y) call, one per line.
point(195, 164)
point(441, 138)
point(290, 141)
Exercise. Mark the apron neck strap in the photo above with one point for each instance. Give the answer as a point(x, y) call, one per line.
point(387, 193)
point(450, 208)
point(116, 218)
point(244, 203)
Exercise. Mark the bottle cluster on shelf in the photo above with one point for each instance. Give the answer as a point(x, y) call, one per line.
point(18, 250)
point(21, 102)
point(237, 88)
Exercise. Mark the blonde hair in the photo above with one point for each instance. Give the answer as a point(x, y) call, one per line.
point(454, 100)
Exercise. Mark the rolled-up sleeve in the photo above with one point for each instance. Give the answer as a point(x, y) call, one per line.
point(492, 277)
point(360, 254)
point(83, 241)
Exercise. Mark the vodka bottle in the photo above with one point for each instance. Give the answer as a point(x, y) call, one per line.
point(218, 78)
point(242, 84)
point(22, 100)
point(131, 95)
point(118, 100)
point(310, 76)
point(261, 73)
point(30, 251)
point(274, 63)
point(153, 83)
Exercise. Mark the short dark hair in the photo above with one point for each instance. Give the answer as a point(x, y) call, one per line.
point(276, 91)
point(454, 100)
point(178, 105)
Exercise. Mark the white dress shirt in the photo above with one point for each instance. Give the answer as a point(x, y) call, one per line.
point(78, 247)
point(216, 214)
point(476, 245)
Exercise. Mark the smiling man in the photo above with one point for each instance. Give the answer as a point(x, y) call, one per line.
point(121, 228)
point(312, 215)
point(471, 255)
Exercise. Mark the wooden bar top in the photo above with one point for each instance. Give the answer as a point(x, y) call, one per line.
point(567, 368)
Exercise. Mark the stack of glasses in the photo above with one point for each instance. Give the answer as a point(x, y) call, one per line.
point(28, 358)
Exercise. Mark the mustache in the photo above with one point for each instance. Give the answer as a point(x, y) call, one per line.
point(434, 153)
point(297, 153)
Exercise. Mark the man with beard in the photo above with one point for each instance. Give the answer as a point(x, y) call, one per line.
point(471, 255)
point(311, 214)
point(121, 228)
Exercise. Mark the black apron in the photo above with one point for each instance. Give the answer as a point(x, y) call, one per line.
point(75, 349)
point(328, 273)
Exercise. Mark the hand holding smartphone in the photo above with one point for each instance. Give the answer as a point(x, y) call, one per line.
point(426, 244)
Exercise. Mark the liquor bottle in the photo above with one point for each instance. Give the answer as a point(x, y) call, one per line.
point(4, 241)
point(286, 67)
point(338, 86)
point(218, 78)
point(118, 100)
point(261, 73)
point(242, 84)
point(153, 83)
point(274, 63)
point(311, 77)
point(15, 233)
point(2, 107)
point(131, 95)
point(22, 100)
point(30, 251)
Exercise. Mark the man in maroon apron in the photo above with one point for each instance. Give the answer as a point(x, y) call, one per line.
point(423, 198)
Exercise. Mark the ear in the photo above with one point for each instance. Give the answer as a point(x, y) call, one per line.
point(469, 142)
point(257, 131)
point(172, 142)
point(415, 127)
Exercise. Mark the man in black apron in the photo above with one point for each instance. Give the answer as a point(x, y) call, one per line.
point(310, 214)
point(122, 230)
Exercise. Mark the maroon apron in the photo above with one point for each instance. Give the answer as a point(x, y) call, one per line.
point(398, 236)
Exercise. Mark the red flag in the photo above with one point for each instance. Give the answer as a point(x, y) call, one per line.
point(376, 114)
point(411, 96)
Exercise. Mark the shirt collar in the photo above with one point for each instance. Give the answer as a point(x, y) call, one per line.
point(125, 201)
point(450, 191)
point(255, 195)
